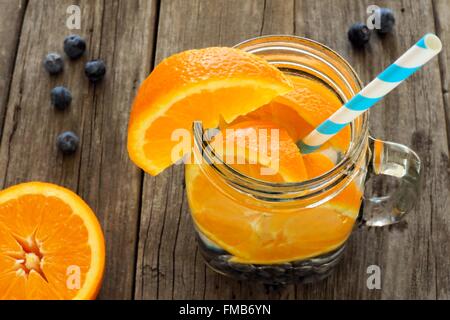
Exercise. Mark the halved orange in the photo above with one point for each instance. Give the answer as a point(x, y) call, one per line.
point(194, 85)
point(51, 244)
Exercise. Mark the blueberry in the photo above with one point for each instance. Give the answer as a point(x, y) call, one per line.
point(74, 46)
point(67, 142)
point(53, 63)
point(359, 34)
point(95, 70)
point(387, 20)
point(61, 97)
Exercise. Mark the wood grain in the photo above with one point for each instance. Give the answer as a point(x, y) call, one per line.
point(442, 21)
point(441, 222)
point(11, 19)
point(100, 171)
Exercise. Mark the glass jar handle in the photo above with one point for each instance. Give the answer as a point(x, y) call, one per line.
point(396, 168)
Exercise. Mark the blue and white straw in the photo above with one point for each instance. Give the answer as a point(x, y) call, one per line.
point(411, 61)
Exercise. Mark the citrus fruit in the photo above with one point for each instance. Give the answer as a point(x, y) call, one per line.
point(253, 232)
point(349, 199)
point(303, 109)
point(202, 85)
point(260, 150)
point(51, 244)
point(315, 103)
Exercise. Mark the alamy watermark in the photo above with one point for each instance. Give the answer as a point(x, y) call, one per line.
point(374, 19)
point(73, 22)
point(73, 280)
point(374, 278)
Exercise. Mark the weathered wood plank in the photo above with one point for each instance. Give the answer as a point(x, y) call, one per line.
point(441, 222)
point(100, 171)
point(113, 183)
point(442, 21)
point(11, 19)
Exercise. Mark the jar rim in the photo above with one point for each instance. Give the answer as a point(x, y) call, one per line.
point(293, 190)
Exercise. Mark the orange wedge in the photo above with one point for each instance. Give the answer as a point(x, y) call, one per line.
point(261, 234)
point(51, 244)
point(315, 103)
point(261, 150)
point(349, 199)
point(196, 85)
point(303, 109)
point(281, 115)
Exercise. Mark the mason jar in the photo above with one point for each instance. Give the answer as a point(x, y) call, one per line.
point(280, 233)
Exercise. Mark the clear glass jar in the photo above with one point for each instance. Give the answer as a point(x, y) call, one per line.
point(280, 233)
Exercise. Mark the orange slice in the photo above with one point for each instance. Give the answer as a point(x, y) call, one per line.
point(196, 85)
point(315, 103)
point(261, 150)
point(261, 234)
point(301, 110)
point(348, 200)
point(51, 244)
point(256, 232)
point(281, 115)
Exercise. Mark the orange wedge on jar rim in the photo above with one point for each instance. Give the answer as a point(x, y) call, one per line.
point(202, 85)
point(51, 244)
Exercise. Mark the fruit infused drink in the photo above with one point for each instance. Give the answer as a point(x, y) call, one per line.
point(286, 226)
point(262, 210)
point(248, 237)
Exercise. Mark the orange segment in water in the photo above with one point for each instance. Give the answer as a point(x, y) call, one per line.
point(257, 234)
point(262, 234)
point(303, 109)
point(349, 199)
point(196, 85)
point(261, 150)
point(51, 244)
point(281, 115)
point(296, 111)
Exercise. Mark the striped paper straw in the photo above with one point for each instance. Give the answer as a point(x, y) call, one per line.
point(411, 61)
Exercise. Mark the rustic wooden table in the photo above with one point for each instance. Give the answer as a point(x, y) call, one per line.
point(151, 251)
